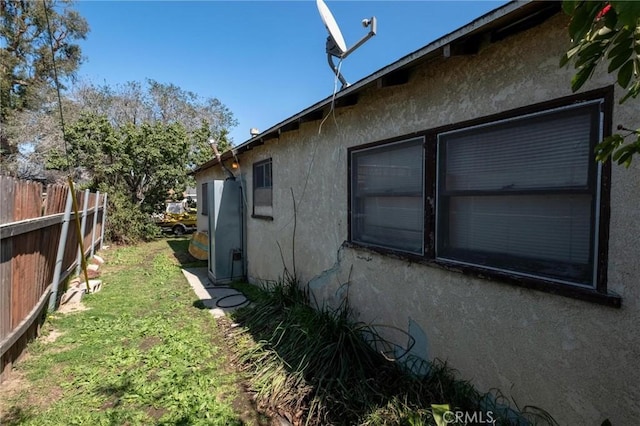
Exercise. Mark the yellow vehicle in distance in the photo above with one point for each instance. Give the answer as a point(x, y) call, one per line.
point(179, 217)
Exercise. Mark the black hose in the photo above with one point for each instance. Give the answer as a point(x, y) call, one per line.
point(239, 293)
point(244, 301)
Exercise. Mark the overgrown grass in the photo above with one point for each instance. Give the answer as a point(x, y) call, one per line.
point(140, 355)
point(317, 367)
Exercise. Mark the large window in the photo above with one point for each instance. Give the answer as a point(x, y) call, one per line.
point(388, 197)
point(262, 189)
point(519, 195)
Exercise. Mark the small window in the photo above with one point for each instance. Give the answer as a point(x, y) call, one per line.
point(387, 196)
point(262, 189)
point(521, 195)
point(203, 200)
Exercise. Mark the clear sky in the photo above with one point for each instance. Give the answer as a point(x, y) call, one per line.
point(265, 60)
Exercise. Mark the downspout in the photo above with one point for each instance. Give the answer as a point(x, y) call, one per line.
point(243, 211)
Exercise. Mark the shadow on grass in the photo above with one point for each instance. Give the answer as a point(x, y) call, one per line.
point(15, 416)
point(180, 247)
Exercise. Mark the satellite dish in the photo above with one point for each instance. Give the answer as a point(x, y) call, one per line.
point(336, 47)
point(331, 26)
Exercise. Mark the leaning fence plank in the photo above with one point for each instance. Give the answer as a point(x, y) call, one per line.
point(104, 221)
point(60, 254)
point(95, 223)
point(83, 224)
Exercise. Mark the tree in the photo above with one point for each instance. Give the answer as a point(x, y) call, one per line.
point(145, 161)
point(607, 31)
point(155, 102)
point(30, 31)
point(139, 142)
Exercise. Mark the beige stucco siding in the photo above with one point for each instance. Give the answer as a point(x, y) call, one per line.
point(578, 360)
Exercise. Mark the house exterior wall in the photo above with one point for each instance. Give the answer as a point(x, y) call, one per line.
point(578, 360)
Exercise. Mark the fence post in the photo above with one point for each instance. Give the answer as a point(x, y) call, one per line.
point(85, 207)
point(95, 223)
point(60, 256)
point(104, 221)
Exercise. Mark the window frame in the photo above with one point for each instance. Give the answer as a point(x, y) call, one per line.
point(204, 204)
point(352, 193)
point(591, 188)
point(256, 166)
point(599, 293)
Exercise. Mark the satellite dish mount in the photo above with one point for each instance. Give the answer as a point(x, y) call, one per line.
point(336, 47)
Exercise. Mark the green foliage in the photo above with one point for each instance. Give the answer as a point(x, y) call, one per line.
point(139, 166)
point(126, 222)
point(146, 160)
point(607, 31)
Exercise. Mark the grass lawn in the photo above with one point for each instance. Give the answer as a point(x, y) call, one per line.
point(140, 354)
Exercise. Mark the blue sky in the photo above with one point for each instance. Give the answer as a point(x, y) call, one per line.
point(265, 60)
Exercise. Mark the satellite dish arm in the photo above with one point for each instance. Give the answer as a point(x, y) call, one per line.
point(336, 71)
point(373, 23)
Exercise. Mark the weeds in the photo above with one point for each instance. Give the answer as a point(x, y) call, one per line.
point(318, 367)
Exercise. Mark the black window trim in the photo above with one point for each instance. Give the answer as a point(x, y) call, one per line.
point(600, 294)
point(370, 147)
point(592, 182)
point(204, 203)
point(253, 179)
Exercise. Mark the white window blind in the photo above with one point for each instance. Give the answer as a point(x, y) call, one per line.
point(517, 195)
point(548, 151)
point(388, 196)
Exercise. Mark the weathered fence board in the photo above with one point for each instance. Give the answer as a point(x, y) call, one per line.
point(31, 223)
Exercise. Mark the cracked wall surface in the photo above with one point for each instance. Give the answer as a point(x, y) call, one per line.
point(577, 360)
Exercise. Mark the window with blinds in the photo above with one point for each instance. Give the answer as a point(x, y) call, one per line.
point(520, 195)
point(262, 187)
point(387, 196)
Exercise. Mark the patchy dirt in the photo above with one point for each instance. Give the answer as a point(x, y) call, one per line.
point(149, 342)
point(244, 403)
point(9, 389)
point(18, 399)
point(52, 336)
point(155, 413)
point(72, 307)
point(17, 386)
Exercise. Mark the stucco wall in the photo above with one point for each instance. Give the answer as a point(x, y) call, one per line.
point(578, 360)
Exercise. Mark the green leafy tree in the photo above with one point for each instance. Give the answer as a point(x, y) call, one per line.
point(26, 64)
point(139, 142)
point(146, 162)
point(154, 102)
point(607, 31)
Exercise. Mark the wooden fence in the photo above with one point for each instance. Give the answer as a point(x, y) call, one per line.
point(39, 251)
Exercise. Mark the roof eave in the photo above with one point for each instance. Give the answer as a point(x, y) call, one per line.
point(508, 15)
